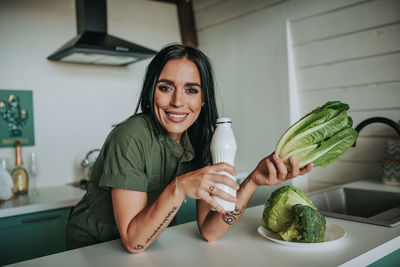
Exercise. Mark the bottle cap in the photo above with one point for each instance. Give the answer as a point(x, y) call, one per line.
point(223, 120)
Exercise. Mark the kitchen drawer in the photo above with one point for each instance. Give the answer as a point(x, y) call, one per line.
point(32, 235)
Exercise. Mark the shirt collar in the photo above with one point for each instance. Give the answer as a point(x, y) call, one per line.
point(183, 151)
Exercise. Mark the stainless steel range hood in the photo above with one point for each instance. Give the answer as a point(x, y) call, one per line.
point(93, 45)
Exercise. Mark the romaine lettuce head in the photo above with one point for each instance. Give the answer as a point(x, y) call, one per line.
point(277, 211)
point(322, 136)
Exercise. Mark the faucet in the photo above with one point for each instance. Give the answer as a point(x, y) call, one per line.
point(85, 162)
point(391, 123)
point(87, 165)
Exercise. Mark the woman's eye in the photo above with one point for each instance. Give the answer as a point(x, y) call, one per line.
point(164, 88)
point(192, 91)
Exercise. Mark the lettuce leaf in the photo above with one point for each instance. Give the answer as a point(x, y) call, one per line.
point(322, 136)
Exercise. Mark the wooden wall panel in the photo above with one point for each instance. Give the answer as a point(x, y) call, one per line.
point(364, 15)
point(222, 11)
point(347, 50)
point(345, 172)
point(209, 13)
point(351, 73)
point(374, 42)
point(352, 54)
point(367, 149)
point(368, 97)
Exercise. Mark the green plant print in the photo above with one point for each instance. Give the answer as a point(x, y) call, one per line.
point(12, 113)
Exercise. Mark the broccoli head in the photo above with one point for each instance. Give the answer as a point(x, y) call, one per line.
point(308, 225)
point(277, 211)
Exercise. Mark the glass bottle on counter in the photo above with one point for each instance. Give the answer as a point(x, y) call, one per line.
point(19, 173)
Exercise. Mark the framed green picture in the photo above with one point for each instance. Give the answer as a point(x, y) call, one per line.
point(16, 118)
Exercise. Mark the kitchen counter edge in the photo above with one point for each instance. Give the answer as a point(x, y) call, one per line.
point(48, 198)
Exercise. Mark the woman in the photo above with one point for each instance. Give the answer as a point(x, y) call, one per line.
point(151, 162)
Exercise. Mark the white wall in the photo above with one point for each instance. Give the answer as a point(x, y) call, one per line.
point(247, 49)
point(247, 43)
point(74, 105)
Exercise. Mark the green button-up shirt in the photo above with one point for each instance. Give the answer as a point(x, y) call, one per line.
point(136, 156)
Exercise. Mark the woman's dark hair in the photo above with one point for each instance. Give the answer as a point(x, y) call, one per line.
point(200, 133)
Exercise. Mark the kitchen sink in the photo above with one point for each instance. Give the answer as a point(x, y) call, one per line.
point(361, 205)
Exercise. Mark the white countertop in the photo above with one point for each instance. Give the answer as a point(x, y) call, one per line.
point(49, 198)
point(182, 245)
point(242, 246)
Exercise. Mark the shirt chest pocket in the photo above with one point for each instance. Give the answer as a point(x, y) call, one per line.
point(155, 187)
point(156, 184)
point(161, 177)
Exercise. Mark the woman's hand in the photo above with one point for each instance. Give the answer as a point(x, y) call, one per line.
point(271, 170)
point(200, 184)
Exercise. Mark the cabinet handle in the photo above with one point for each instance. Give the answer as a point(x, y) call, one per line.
point(44, 218)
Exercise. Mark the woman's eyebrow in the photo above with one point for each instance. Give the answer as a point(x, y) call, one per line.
point(166, 81)
point(173, 83)
point(193, 84)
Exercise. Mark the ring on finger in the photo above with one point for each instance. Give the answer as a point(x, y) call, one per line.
point(211, 188)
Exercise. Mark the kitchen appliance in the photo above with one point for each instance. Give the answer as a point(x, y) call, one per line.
point(94, 45)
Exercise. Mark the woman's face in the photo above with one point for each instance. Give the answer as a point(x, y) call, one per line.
point(178, 97)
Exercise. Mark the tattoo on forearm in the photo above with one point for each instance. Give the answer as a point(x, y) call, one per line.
point(174, 208)
point(230, 217)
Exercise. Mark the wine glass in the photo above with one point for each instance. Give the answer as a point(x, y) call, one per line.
point(5, 164)
point(32, 166)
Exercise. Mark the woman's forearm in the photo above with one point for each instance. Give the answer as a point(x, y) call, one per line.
point(150, 222)
point(269, 171)
point(214, 225)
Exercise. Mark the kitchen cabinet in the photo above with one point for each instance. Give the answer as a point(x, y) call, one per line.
point(186, 213)
point(387, 261)
point(32, 235)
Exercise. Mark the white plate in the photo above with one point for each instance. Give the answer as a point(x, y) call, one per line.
point(333, 233)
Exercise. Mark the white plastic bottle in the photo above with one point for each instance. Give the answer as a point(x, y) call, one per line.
point(223, 149)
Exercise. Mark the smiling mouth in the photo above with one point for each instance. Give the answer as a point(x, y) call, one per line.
point(176, 117)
